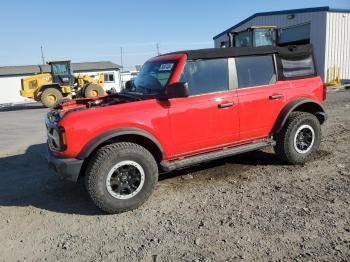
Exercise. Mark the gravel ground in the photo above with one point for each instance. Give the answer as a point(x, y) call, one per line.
point(248, 207)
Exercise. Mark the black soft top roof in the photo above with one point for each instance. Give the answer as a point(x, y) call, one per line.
point(287, 51)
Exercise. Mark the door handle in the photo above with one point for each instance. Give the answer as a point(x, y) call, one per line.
point(224, 105)
point(275, 97)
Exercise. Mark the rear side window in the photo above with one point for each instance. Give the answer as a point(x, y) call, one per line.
point(292, 68)
point(255, 71)
point(206, 76)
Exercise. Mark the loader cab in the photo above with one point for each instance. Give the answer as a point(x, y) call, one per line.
point(62, 73)
point(254, 36)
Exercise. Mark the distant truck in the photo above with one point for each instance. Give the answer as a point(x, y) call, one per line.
point(60, 83)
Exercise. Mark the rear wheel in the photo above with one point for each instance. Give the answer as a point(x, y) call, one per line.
point(299, 139)
point(93, 90)
point(121, 177)
point(50, 97)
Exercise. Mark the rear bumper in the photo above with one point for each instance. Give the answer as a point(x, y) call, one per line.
point(66, 168)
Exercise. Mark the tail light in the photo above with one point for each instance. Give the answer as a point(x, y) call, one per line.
point(324, 91)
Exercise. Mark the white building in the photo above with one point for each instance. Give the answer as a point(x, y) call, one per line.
point(327, 29)
point(125, 76)
point(10, 78)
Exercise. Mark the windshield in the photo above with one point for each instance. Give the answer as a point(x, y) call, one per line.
point(263, 37)
point(153, 77)
point(60, 69)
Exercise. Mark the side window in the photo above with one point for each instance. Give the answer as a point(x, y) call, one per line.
point(243, 39)
point(206, 76)
point(255, 71)
point(109, 77)
point(224, 44)
point(298, 67)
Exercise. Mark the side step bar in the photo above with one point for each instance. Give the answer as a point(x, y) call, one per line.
point(193, 160)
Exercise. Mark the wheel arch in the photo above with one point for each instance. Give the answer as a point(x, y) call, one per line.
point(134, 135)
point(303, 105)
point(57, 86)
point(40, 90)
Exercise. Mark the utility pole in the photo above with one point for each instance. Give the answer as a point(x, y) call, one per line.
point(121, 57)
point(42, 55)
point(158, 53)
point(121, 69)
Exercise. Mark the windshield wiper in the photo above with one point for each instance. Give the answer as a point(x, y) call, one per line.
point(130, 95)
point(135, 93)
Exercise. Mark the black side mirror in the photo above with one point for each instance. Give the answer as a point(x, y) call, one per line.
point(128, 85)
point(177, 90)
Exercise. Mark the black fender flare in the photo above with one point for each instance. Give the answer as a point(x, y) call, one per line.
point(114, 133)
point(317, 109)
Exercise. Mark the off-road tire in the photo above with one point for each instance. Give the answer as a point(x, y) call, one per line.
point(103, 161)
point(92, 90)
point(285, 147)
point(50, 97)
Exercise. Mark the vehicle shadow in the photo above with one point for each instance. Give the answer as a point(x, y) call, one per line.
point(21, 107)
point(26, 181)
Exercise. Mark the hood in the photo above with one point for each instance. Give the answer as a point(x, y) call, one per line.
point(70, 106)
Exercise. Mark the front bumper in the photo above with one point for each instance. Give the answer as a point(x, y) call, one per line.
point(66, 168)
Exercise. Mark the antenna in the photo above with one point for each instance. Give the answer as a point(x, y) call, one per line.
point(42, 55)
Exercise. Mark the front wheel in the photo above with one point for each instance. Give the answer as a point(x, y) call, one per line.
point(121, 177)
point(93, 90)
point(299, 139)
point(50, 97)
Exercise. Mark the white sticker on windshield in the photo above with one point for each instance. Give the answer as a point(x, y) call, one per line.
point(166, 67)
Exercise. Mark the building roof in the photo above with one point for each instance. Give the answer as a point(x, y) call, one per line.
point(77, 67)
point(288, 51)
point(291, 11)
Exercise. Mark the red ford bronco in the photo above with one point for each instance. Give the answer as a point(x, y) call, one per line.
point(185, 108)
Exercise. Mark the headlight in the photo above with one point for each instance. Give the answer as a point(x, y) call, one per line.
point(57, 138)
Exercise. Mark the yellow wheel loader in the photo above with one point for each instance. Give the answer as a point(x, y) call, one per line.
point(50, 88)
point(261, 36)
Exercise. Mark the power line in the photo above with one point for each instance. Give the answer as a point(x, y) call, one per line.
point(122, 67)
